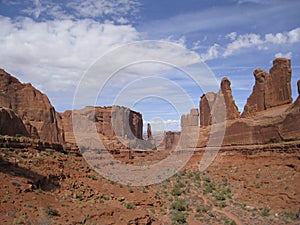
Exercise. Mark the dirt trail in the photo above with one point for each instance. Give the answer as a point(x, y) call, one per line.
point(227, 214)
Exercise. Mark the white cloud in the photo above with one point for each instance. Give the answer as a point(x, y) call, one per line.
point(284, 55)
point(114, 10)
point(242, 41)
point(99, 8)
point(252, 40)
point(278, 38)
point(60, 49)
point(159, 126)
point(196, 45)
point(212, 53)
point(231, 36)
point(54, 54)
point(294, 35)
point(290, 37)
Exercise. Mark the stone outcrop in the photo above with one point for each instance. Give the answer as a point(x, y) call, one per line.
point(189, 129)
point(271, 89)
point(115, 125)
point(11, 124)
point(269, 116)
point(149, 131)
point(206, 103)
point(213, 104)
point(232, 111)
point(191, 119)
point(171, 140)
point(32, 106)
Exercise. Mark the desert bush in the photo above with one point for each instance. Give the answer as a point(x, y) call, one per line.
point(50, 212)
point(179, 205)
point(130, 206)
point(179, 218)
point(265, 212)
point(176, 191)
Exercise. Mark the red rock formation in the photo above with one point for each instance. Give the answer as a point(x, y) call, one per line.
point(171, 139)
point(270, 89)
point(191, 119)
point(33, 107)
point(232, 111)
point(216, 103)
point(277, 119)
point(111, 123)
point(11, 124)
point(206, 103)
point(149, 131)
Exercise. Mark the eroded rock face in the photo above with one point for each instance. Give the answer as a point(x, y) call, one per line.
point(213, 104)
point(109, 123)
point(206, 103)
point(11, 124)
point(171, 139)
point(149, 131)
point(32, 106)
point(232, 111)
point(191, 119)
point(270, 89)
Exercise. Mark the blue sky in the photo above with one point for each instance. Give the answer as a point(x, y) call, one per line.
point(52, 44)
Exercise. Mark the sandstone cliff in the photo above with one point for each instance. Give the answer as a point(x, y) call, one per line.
point(214, 103)
point(115, 125)
point(269, 115)
point(11, 124)
point(271, 89)
point(32, 106)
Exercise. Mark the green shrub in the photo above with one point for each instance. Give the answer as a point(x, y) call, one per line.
point(176, 191)
point(50, 212)
point(179, 218)
point(179, 205)
point(201, 209)
point(130, 206)
point(265, 212)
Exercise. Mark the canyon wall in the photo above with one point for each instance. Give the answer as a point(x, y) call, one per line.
point(115, 125)
point(31, 106)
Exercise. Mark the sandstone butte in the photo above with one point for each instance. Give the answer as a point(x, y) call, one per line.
point(25, 111)
point(269, 115)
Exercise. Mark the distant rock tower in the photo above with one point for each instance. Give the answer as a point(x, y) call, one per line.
point(149, 132)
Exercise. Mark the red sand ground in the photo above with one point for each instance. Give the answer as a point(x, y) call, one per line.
point(240, 187)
